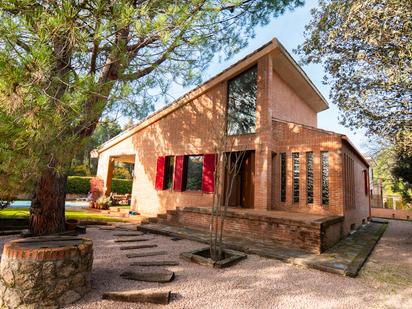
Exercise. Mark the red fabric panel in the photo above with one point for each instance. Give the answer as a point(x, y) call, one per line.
point(160, 173)
point(208, 177)
point(178, 176)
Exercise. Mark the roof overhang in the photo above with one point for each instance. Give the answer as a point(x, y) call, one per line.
point(287, 68)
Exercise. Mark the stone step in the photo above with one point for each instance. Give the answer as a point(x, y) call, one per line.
point(129, 226)
point(155, 263)
point(164, 276)
point(139, 296)
point(172, 212)
point(153, 220)
point(137, 247)
point(12, 232)
point(128, 234)
point(144, 254)
point(136, 239)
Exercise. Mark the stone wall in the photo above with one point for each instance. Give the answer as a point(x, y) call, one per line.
point(44, 278)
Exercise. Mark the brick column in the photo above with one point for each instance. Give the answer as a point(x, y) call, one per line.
point(105, 171)
point(263, 155)
point(263, 177)
point(109, 177)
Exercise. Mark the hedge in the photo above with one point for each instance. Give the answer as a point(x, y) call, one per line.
point(81, 185)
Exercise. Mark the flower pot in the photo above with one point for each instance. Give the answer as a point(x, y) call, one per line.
point(71, 224)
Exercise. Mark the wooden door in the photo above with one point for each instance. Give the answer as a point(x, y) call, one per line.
point(247, 176)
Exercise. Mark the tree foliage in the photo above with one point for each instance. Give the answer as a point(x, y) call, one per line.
point(392, 172)
point(64, 63)
point(366, 49)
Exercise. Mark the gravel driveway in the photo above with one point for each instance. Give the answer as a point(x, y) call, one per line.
point(258, 282)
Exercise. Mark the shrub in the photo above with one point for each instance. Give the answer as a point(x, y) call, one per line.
point(79, 170)
point(122, 186)
point(103, 202)
point(84, 185)
point(78, 185)
point(121, 173)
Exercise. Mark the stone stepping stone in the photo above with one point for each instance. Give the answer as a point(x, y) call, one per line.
point(155, 263)
point(128, 234)
point(137, 247)
point(107, 228)
point(10, 232)
point(163, 276)
point(140, 296)
point(143, 254)
point(131, 239)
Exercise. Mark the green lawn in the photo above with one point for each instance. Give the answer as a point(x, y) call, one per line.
point(123, 207)
point(21, 213)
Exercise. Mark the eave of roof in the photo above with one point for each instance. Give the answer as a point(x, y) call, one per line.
point(228, 73)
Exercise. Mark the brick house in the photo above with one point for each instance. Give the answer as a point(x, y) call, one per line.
point(298, 185)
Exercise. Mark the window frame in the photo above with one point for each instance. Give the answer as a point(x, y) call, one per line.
point(171, 170)
point(295, 177)
point(283, 176)
point(252, 67)
point(309, 168)
point(186, 170)
point(322, 197)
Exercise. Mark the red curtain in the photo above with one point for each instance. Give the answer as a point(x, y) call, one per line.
point(208, 179)
point(178, 176)
point(160, 173)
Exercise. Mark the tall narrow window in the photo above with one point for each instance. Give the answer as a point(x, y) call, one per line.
point(283, 177)
point(193, 179)
point(295, 162)
point(168, 178)
point(324, 162)
point(241, 113)
point(309, 177)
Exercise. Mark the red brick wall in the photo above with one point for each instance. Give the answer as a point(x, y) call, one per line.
point(290, 137)
point(392, 213)
point(261, 230)
point(287, 105)
point(359, 210)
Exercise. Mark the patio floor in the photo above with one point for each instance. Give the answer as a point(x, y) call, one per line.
point(345, 258)
point(385, 281)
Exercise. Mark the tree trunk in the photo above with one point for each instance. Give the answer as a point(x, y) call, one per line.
point(47, 209)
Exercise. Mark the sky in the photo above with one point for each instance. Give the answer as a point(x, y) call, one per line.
point(289, 29)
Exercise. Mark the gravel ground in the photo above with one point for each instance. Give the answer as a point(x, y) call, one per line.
point(256, 282)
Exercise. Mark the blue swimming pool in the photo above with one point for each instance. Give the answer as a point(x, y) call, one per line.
point(25, 204)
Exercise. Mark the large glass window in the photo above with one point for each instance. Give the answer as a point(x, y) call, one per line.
point(324, 161)
point(309, 177)
point(283, 177)
point(241, 114)
point(169, 165)
point(193, 179)
point(295, 159)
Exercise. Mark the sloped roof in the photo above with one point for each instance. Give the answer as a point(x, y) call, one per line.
point(283, 64)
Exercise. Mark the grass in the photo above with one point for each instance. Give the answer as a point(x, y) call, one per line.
point(23, 213)
point(123, 206)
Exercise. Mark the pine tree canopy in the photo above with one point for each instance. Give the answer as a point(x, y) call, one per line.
point(63, 63)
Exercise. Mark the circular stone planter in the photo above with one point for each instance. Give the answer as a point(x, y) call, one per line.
point(45, 272)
